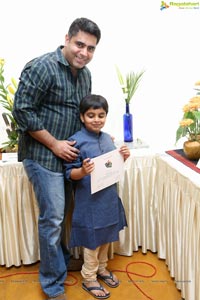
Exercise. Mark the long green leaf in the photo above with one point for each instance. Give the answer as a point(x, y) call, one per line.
point(130, 83)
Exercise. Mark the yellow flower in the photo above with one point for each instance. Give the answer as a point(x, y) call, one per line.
point(9, 99)
point(6, 101)
point(186, 122)
point(2, 62)
point(11, 89)
point(197, 82)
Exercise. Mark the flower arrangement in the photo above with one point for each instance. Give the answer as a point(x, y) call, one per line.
point(6, 100)
point(129, 83)
point(189, 126)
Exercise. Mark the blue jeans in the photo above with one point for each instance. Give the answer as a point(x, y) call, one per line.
point(51, 195)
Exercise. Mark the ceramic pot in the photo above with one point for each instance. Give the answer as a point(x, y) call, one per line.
point(192, 149)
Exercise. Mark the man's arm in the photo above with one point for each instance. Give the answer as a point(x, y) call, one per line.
point(61, 148)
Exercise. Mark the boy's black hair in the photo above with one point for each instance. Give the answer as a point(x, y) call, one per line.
point(93, 101)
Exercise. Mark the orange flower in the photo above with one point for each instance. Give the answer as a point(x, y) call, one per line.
point(194, 104)
point(190, 124)
point(186, 122)
point(186, 108)
point(195, 99)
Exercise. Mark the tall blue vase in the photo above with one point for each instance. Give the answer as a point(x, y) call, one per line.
point(128, 125)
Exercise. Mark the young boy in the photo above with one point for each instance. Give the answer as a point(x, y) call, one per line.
point(97, 218)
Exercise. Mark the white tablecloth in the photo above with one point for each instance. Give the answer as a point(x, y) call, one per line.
point(161, 197)
point(18, 217)
point(177, 195)
point(136, 190)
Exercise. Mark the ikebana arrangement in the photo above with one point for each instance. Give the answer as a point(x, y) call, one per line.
point(129, 84)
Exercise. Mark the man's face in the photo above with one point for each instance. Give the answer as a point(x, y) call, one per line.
point(79, 49)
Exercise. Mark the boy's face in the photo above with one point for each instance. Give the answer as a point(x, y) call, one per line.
point(94, 119)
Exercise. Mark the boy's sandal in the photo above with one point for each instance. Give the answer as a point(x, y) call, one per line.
point(107, 278)
point(95, 288)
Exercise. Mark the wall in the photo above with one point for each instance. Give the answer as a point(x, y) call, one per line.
point(135, 35)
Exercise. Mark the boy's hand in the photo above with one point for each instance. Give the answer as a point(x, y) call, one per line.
point(124, 150)
point(87, 166)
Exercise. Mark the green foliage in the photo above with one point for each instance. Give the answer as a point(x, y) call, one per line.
point(129, 83)
point(6, 100)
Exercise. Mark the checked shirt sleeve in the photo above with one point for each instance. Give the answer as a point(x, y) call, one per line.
point(34, 82)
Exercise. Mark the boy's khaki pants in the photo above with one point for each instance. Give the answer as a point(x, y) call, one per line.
point(95, 262)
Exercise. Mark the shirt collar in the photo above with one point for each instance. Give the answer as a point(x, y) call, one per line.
point(91, 133)
point(60, 56)
point(61, 59)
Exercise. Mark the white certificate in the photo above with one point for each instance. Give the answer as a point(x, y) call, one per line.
point(109, 168)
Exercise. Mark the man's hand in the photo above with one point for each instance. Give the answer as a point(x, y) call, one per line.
point(65, 150)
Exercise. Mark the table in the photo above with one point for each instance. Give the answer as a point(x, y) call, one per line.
point(136, 189)
point(161, 197)
point(19, 211)
point(177, 194)
point(18, 217)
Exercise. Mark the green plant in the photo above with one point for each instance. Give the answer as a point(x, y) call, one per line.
point(189, 126)
point(6, 100)
point(129, 83)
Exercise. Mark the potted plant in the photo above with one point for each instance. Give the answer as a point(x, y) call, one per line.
point(6, 100)
point(189, 126)
point(129, 84)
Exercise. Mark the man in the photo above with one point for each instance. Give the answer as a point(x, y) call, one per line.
point(46, 108)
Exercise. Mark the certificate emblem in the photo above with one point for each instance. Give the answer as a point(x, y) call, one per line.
point(108, 164)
